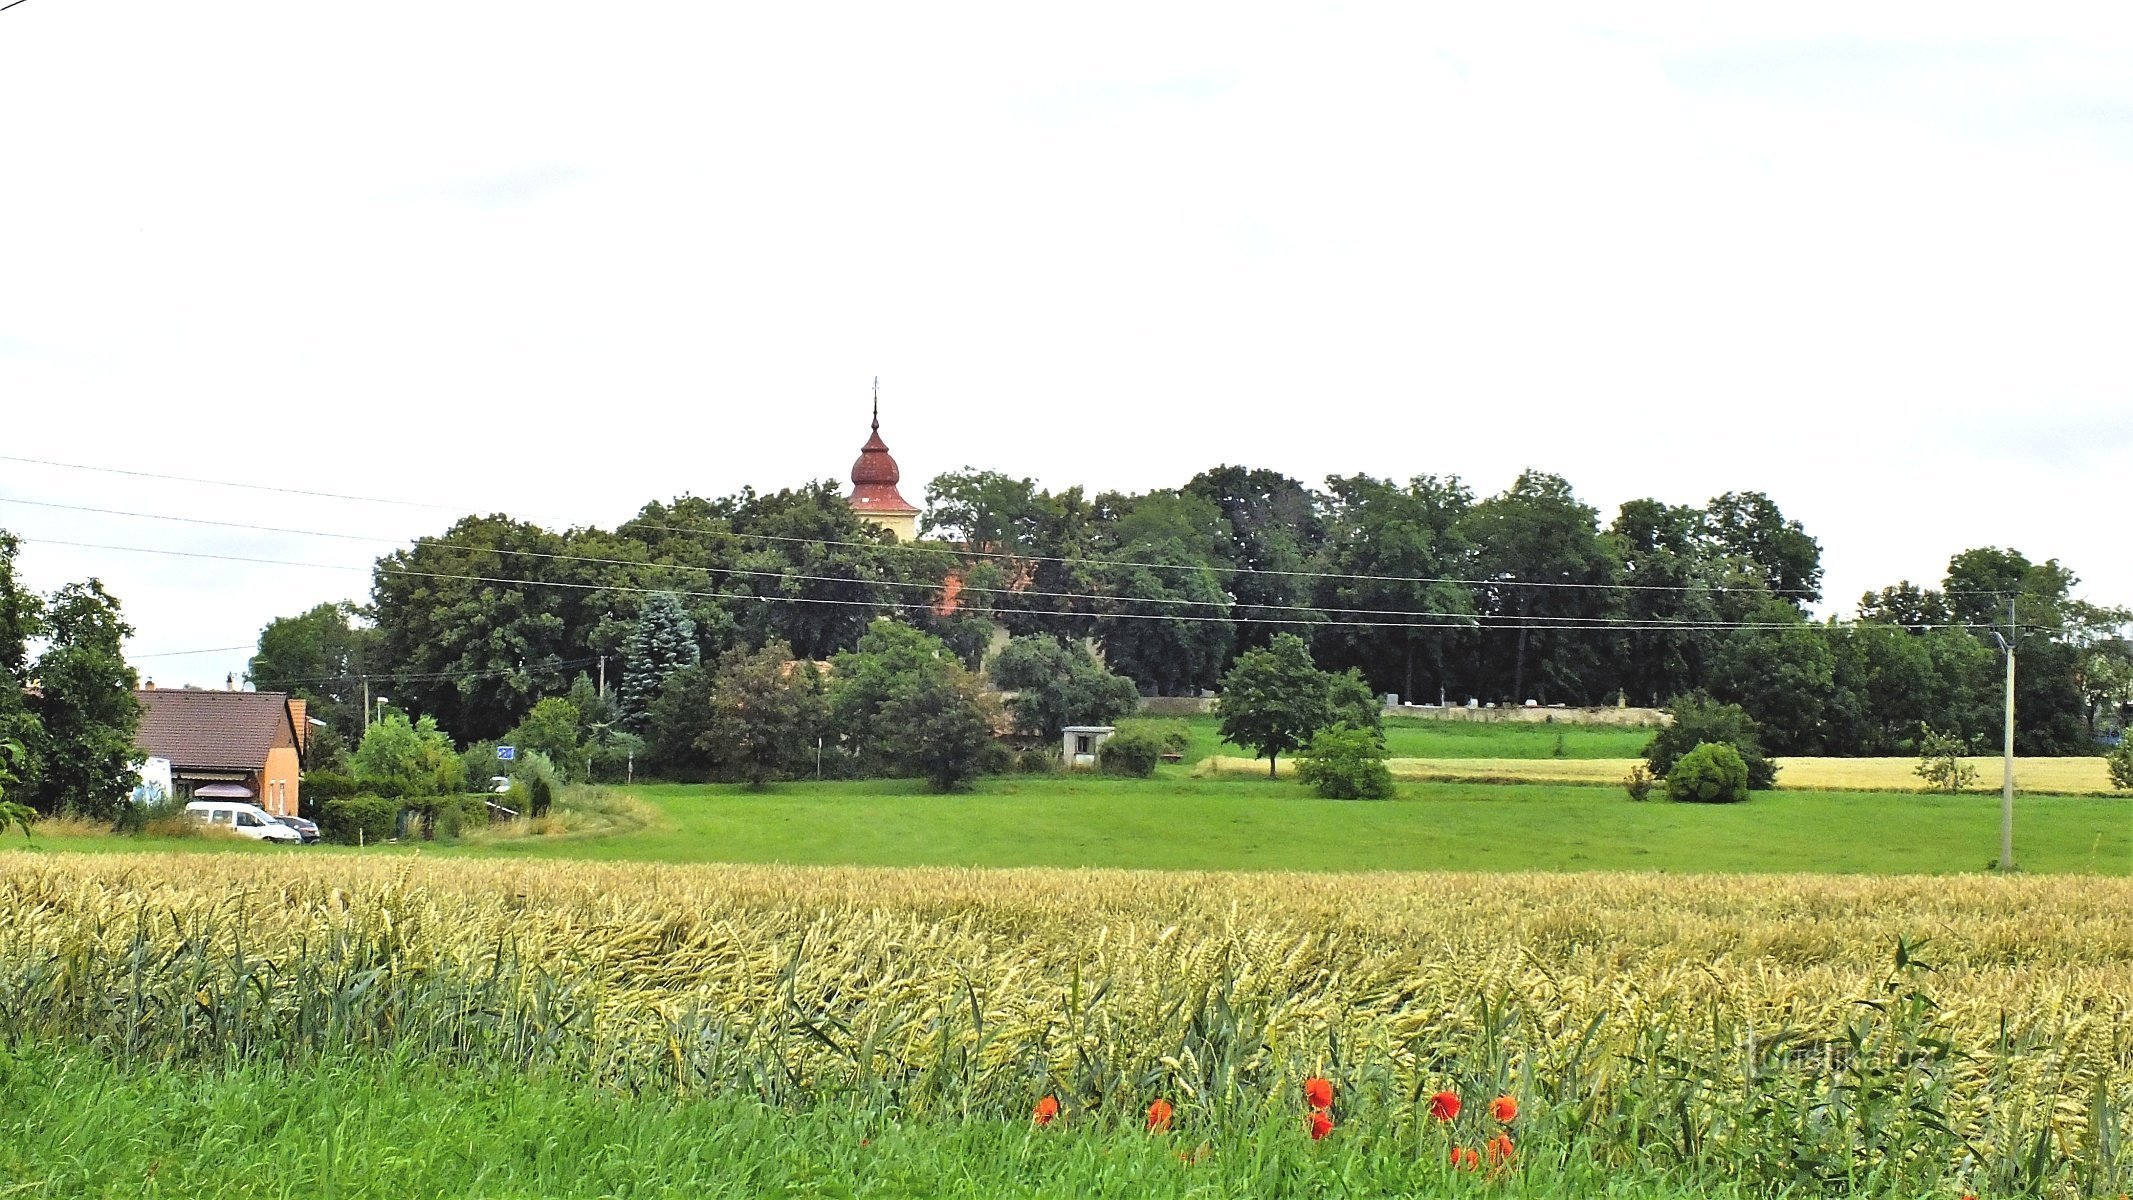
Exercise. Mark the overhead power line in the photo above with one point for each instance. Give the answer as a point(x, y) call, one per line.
point(1229, 606)
point(1573, 624)
point(958, 553)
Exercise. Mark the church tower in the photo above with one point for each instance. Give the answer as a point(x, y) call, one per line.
point(874, 478)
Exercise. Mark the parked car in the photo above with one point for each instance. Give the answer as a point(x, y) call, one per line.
point(303, 825)
point(244, 820)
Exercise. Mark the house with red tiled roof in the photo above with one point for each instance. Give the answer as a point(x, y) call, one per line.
point(226, 745)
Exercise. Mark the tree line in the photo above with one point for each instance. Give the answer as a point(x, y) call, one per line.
point(1421, 587)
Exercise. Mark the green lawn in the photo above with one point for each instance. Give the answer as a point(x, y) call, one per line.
point(1174, 822)
point(1189, 824)
point(1415, 737)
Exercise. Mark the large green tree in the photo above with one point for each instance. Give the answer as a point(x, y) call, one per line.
point(1545, 593)
point(891, 658)
point(662, 642)
point(1990, 586)
point(1763, 548)
point(319, 655)
point(678, 716)
point(1393, 555)
point(552, 728)
point(1782, 671)
point(1058, 683)
point(811, 574)
point(399, 757)
point(469, 626)
point(766, 712)
point(21, 612)
point(1275, 698)
point(1667, 600)
point(1023, 548)
point(943, 721)
point(1274, 525)
point(86, 713)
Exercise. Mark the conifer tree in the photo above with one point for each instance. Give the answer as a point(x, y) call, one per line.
point(663, 642)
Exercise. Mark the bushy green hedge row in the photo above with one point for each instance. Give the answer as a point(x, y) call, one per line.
point(354, 819)
point(361, 819)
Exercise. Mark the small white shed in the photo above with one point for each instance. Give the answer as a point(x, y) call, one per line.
point(1083, 742)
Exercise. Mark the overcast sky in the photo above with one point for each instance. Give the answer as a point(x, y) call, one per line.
point(557, 260)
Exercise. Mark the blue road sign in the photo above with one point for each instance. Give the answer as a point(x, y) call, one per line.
point(507, 753)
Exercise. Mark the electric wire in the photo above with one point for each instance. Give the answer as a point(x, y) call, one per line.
point(951, 551)
point(1466, 621)
point(1229, 606)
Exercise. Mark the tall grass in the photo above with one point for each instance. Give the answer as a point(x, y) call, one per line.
point(1765, 1030)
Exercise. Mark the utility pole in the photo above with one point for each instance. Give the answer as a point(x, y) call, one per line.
point(2007, 859)
point(603, 677)
point(366, 704)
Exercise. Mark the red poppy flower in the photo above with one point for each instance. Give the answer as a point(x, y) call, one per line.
point(1159, 1116)
point(1466, 1158)
point(1500, 1148)
point(1047, 1108)
point(1318, 1092)
point(1444, 1105)
point(1319, 1124)
point(1504, 1109)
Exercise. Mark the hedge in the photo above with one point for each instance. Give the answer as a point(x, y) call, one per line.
point(357, 819)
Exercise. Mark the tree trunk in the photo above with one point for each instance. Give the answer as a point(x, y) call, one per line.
point(1409, 694)
point(1270, 766)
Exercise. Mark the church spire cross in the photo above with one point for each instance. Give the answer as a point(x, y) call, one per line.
point(877, 404)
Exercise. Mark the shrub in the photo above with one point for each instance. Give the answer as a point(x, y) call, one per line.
point(1038, 761)
point(1174, 735)
point(356, 819)
point(1940, 761)
point(2120, 763)
point(1346, 763)
point(449, 816)
point(1638, 783)
point(1697, 720)
point(1712, 773)
point(318, 787)
point(1131, 751)
point(540, 795)
point(996, 759)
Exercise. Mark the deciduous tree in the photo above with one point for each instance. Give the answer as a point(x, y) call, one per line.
point(86, 713)
point(1274, 699)
point(319, 655)
point(944, 721)
point(766, 711)
point(1057, 684)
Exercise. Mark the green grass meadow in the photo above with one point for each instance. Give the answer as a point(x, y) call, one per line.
point(74, 1127)
point(1175, 822)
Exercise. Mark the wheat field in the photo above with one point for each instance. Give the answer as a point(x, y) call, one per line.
point(1643, 998)
point(2037, 776)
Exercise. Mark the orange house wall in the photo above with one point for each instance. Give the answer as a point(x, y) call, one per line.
point(282, 768)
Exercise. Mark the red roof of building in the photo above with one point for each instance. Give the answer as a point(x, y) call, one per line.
point(206, 729)
point(875, 476)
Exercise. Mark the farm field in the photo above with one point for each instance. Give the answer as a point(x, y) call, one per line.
point(1418, 737)
point(2048, 776)
point(765, 1028)
point(1175, 822)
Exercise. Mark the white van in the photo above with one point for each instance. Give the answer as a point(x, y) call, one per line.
point(244, 820)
